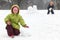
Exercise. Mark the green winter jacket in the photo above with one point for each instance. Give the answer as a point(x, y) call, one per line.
point(15, 20)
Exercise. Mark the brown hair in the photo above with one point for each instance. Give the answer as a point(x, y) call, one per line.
point(51, 2)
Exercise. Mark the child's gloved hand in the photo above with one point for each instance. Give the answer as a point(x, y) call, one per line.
point(25, 26)
point(8, 23)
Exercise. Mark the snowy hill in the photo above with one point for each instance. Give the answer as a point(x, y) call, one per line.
point(42, 26)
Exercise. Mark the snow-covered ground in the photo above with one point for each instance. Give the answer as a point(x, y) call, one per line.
point(41, 25)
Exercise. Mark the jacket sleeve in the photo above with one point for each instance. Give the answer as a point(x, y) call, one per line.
point(7, 18)
point(53, 7)
point(48, 7)
point(22, 21)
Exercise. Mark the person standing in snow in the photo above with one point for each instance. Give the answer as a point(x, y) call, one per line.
point(12, 20)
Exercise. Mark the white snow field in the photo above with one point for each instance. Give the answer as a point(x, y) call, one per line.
point(41, 25)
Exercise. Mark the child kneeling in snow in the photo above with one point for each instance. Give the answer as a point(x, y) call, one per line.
point(12, 20)
point(51, 7)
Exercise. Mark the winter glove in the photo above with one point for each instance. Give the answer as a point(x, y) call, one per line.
point(25, 26)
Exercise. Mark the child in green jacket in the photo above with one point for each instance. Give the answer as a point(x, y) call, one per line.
point(12, 20)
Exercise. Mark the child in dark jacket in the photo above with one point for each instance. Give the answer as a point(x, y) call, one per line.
point(51, 7)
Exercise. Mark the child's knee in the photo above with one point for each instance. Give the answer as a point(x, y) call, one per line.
point(8, 26)
point(17, 32)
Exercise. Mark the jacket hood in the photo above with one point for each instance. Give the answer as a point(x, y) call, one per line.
point(15, 5)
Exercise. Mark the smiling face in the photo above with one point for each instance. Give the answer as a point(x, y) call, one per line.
point(15, 10)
